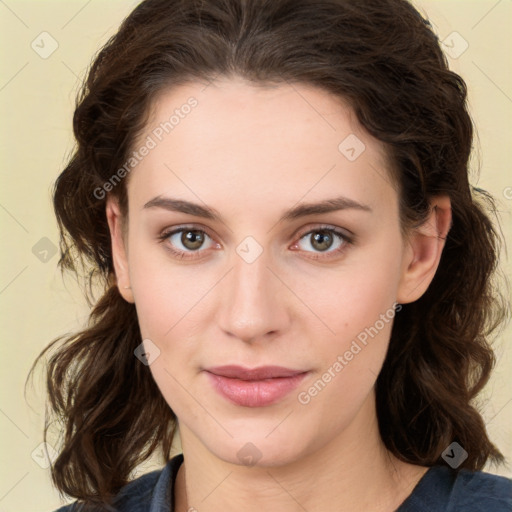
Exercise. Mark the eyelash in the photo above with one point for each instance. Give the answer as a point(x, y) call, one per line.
point(346, 241)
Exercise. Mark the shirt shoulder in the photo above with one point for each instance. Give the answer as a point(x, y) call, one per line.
point(151, 492)
point(445, 490)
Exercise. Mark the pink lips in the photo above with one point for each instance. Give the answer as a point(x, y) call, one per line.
point(255, 387)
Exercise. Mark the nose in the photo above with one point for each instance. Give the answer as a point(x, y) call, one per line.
point(255, 304)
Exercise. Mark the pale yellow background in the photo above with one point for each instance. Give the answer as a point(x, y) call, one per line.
point(37, 97)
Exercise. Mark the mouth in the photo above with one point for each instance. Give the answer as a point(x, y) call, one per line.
point(256, 387)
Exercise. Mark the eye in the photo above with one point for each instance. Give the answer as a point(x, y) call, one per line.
point(185, 241)
point(324, 239)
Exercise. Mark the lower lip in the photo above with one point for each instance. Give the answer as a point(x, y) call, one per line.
point(255, 393)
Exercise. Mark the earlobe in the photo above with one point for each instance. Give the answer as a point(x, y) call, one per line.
point(423, 252)
point(119, 254)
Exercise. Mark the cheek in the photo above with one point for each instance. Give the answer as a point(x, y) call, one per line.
point(332, 397)
point(354, 296)
point(358, 307)
point(166, 295)
point(166, 304)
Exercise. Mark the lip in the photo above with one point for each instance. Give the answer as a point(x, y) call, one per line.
point(256, 387)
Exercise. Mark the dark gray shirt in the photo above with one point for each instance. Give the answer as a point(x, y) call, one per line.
point(441, 489)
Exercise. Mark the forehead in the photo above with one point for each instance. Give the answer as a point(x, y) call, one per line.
point(228, 138)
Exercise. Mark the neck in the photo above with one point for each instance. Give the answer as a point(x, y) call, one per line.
point(354, 471)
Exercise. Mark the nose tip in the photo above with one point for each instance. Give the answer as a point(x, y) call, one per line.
point(253, 305)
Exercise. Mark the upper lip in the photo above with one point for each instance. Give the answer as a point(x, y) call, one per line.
point(260, 373)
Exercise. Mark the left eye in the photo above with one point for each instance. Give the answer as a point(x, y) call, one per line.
point(323, 239)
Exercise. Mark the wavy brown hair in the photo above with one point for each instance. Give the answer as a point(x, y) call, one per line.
point(383, 58)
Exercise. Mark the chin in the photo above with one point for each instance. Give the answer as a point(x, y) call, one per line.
point(255, 446)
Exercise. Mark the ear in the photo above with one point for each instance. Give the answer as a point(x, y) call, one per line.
point(119, 253)
point(423, 251)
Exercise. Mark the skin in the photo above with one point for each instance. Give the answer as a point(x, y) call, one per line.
point(252, 152)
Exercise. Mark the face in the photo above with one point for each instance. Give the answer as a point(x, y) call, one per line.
point(240, 272)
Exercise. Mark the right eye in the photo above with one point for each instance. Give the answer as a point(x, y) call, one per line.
point(184, 241)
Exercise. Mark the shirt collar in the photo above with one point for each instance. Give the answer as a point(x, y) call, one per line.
point(163, 494)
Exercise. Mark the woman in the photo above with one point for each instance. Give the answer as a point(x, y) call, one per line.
point(274, 195)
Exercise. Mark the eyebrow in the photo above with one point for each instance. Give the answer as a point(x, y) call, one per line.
point(298, 211)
